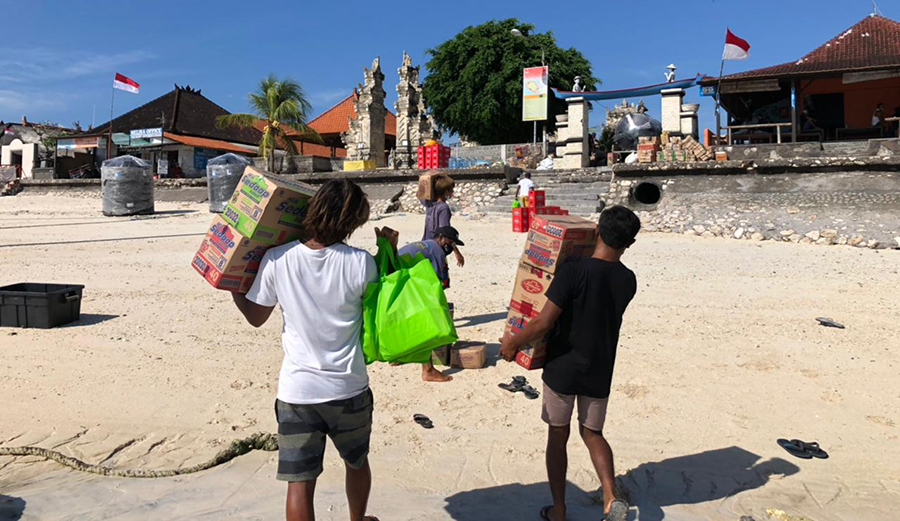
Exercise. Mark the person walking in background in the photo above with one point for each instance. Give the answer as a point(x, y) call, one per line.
point(526, 185)
point(323, 388)
point(586, 301)
point(446, 241)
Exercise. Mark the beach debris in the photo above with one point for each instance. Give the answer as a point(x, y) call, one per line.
point(827, 322)
point(239, 447)
point(423, 420)
point(802, 449)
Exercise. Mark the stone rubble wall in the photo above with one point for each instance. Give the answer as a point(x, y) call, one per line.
point(854, 208)
point(468, 197)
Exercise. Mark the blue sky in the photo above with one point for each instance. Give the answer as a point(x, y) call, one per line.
point(58, 58)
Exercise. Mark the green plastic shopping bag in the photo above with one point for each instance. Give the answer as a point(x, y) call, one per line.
point(385, 262)
point(412, 317)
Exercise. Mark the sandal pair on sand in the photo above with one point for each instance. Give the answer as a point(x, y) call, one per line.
point(618, 511)
point(802, 449)
point(520, 384)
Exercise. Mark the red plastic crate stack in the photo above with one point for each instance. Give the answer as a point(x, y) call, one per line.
point(520, 220)
point(433, 156)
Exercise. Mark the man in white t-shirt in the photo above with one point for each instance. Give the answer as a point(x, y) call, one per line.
point(323, 388)
point(526, 185)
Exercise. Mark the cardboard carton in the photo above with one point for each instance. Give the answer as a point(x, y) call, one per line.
point(268, 209)
point(554, 238)
point(468, 355)
point(528, 296)
point(425, 190)
point(441, 356)
point(533, 355)
point(226, 259)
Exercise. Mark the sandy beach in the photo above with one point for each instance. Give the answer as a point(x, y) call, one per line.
point(720, 355)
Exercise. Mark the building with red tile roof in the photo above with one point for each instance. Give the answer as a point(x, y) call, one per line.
point(832, 92)
point(329, 125)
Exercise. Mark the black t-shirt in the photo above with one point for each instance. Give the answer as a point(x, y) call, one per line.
point(581, 352)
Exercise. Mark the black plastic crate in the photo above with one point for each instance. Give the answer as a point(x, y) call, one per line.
point(42, 306)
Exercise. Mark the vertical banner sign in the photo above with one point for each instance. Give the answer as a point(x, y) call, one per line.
point(534, 94)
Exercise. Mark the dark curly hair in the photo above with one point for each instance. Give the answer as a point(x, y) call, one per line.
point(337, 210)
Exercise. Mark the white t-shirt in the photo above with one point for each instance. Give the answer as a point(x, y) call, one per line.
point(525, 186)
point(320, 293)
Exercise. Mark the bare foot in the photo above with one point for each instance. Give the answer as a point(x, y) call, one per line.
point(430, 374)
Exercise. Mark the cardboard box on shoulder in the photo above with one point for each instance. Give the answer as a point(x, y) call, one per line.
point(533, 355)
point(528, 292)
point(226, 259)
point(425, 189)
point(554, 238)
point(268, 209)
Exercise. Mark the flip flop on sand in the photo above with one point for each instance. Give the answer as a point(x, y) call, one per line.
point(518, 382)
point(618, 511)
point(827, 322)
point(545, 513)
point(794, 449)
point(530, 392)
point(423, 420)
point(812, 448)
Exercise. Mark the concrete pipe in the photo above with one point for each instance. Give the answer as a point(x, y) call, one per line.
point(646, 194)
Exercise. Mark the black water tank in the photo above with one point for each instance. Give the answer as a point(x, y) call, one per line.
point(126, 186)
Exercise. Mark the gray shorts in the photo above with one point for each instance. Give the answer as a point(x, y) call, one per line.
point(302, 430)
point(557, 410)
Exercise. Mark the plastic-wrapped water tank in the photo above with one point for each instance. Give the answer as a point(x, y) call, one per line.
point(223, 173)
point(127, 186)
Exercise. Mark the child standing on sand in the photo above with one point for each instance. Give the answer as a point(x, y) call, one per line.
point(437, 213)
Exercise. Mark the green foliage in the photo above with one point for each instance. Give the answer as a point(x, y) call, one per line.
point(281, 105)
point(474, 82)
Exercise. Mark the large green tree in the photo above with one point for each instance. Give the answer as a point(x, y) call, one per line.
point(282, 106)
point(474, 82)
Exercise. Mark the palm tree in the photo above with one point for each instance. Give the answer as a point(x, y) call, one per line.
point(281, 105)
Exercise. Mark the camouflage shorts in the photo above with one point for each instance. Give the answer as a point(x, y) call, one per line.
point(302, 430)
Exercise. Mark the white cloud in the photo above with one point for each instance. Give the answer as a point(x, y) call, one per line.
point(15, 103)
point(45, 65)
point(329, 96)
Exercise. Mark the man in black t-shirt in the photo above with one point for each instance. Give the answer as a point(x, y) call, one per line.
point(585, 304)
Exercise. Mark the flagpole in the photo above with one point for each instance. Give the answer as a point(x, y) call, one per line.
point(718, 90)
point(112, 101)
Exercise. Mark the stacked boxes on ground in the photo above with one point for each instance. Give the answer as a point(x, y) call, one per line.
point(522, 217)
point(676, 149)
point(648, 147)
point(551, 240)
point(264, 211)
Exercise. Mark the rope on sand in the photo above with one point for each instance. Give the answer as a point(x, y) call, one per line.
point(238, 447)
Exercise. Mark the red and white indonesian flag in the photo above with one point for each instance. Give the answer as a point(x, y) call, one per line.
point(125, 83)
point(735, 48)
